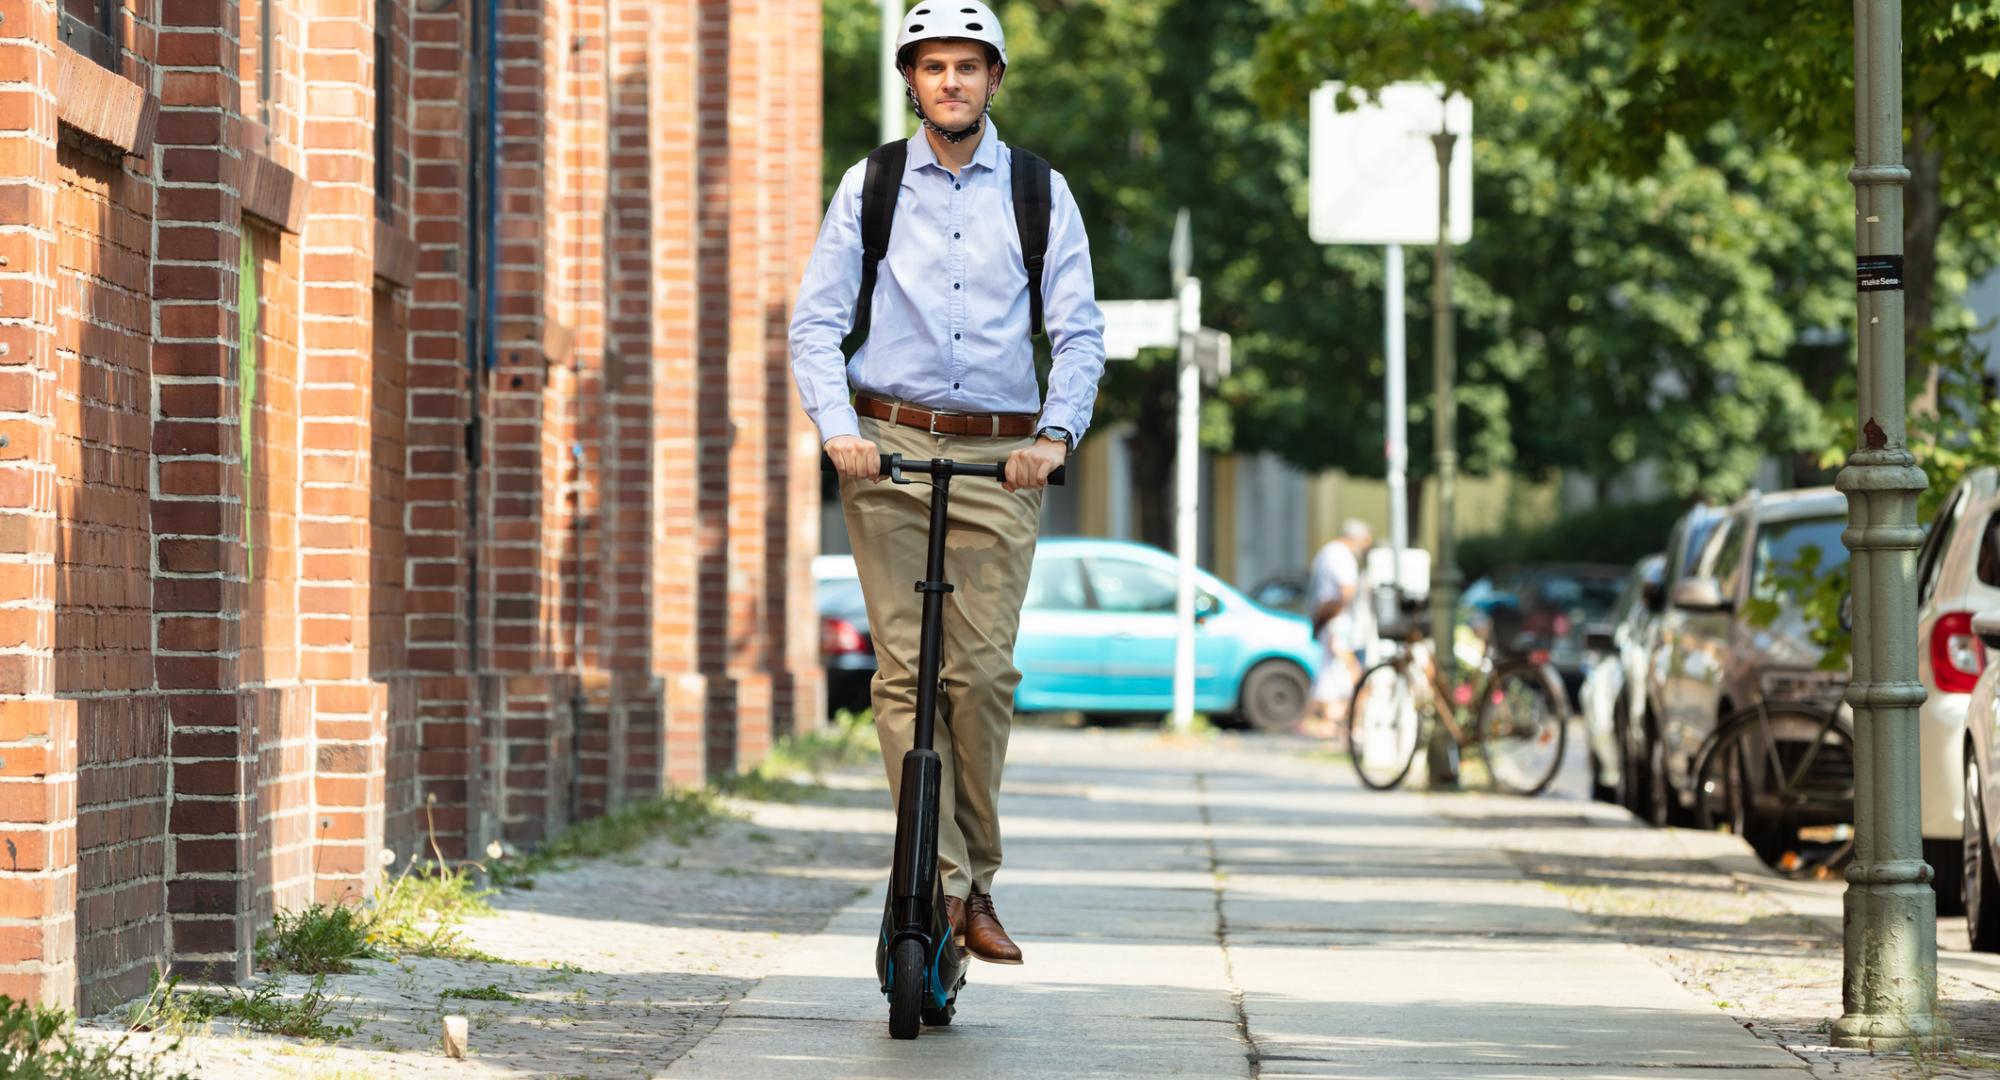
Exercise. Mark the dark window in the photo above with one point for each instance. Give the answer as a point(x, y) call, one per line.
point(1785, 547)
point(91, 27)
point(1989, 552)
point(265, 36)
point(1724, 560)
point(385, 142)
point(1930, 558)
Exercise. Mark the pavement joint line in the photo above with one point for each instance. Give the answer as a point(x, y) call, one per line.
point(1253, 1055)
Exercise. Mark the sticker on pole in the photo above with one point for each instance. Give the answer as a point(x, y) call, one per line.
point(1878, 273)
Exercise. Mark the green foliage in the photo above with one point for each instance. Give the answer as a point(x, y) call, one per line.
point(681, 816)
point(848, 740)
point(1619, 534)
point(321, 939)
point(264, 1008)
point(489, 992)
point(40, 1043)
point(1819, 597)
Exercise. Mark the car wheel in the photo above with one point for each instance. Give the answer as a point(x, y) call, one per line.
point(1978, 887)
point(1273, 696)
point(1947, 859)
point(1632, 776)
point(1660, 799)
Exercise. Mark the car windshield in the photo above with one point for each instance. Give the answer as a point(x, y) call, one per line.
point(1594, 597)
point(1790, 550)
point(839, 596)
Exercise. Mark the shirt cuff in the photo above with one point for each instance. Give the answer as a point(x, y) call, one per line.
point(1061, 418)
point(835, 421)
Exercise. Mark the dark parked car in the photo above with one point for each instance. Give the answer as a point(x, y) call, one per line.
point(844, 643)
point(1554, 606)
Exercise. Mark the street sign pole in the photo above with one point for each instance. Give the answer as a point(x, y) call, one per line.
point(891, 126)
point(1398, 449)
point(1187, 472)
point(1889, 974)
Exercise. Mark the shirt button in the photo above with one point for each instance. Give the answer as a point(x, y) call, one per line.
point(955, 337)
point(954, 187)
point(954, 386)
point(954, 236)
point(954, 284)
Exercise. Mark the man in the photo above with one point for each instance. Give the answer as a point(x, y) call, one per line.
point(947, 371)
point(1333, 595)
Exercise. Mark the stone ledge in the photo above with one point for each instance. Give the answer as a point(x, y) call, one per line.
point(103, 104)
point(396, 256)
point(273, 193)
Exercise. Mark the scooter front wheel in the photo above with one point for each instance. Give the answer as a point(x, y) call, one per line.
point(906, 989)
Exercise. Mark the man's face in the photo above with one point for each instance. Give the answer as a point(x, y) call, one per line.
point(953, 81)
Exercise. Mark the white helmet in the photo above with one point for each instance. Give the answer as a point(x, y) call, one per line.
point(931, 20)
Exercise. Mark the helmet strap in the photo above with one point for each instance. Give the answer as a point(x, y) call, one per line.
point(948, 135)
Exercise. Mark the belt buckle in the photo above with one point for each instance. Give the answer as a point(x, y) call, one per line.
point(933, 425)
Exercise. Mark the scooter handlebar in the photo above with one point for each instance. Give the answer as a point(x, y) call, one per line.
point(892, 462)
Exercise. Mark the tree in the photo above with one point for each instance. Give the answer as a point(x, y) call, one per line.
point(1783, 74)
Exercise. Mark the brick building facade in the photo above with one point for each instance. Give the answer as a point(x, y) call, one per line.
point(395, 436)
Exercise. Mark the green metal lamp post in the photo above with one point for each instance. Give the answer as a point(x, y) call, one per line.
point(1889, 983)
point(1441, 757)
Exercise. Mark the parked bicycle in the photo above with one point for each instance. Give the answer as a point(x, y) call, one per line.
point(1512, 707)
point(1780, 774)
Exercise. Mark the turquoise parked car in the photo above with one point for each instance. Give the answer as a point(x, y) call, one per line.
point(1097, 636)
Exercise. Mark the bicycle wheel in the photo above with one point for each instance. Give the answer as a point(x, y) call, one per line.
point(1782, 778)
point(1383, 722)
point(1523, 727)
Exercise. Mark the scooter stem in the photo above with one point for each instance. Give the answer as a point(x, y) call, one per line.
point(933, 587)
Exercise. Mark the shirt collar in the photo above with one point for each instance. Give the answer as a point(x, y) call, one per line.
point(986, 156)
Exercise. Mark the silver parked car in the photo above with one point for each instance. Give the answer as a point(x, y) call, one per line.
point(1650, 794)
point(1958, 576)
point(1711, 659)
point(1617, 664)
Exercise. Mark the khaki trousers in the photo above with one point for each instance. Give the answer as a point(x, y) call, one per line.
point(988, 553)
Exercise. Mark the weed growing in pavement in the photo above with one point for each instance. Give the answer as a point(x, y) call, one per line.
point(40, 1043)
point(796, 764)
point(681, 816)
point(319, 940)
point(262, 1008)
point(419, 911)
point(489, 992)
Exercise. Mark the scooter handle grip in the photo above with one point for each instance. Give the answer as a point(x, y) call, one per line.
point(892, 462)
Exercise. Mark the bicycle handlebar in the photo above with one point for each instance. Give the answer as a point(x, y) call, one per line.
point(895, 464)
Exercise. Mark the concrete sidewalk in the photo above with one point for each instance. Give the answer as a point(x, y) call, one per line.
point(1240, 909)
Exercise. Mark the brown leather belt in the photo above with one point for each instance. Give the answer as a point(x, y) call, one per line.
point(995, 425)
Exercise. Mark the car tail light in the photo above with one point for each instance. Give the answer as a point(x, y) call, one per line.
point(1562, 625)
point(838, 637)
point(1957, 657)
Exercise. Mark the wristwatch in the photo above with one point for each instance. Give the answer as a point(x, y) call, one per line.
point(1060, 435)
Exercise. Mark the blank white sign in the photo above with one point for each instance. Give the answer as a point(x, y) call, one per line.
point(1374, 169)
point(1131, 325)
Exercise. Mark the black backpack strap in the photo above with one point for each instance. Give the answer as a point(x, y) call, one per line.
point(1031, 221)
point(879, 188)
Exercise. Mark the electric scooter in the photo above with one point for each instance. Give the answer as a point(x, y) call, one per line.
point(920, 968)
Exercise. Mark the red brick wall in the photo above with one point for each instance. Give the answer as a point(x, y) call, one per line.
point(104, 602)
point(235, 663)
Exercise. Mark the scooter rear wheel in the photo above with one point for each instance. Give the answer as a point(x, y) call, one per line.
point(906, 989)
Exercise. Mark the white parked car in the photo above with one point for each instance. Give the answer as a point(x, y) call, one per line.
point(1615, 677)
point(1958, 576)
point(1979, 889)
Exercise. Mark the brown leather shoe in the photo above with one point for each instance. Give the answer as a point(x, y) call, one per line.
point(984, 935)
point(954, 913)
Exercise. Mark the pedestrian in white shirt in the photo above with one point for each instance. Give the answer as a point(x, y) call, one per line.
point(1334, 599)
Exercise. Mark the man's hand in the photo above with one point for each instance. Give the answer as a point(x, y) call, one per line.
point(855, 456)
point(1030, 466)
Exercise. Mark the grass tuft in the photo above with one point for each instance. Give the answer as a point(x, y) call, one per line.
point(40, 1043)
point(792, 771)
point(262, 1008)
point(489, 992)
point(324, 939)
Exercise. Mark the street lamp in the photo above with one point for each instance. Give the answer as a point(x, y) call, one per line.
point(1889, 977)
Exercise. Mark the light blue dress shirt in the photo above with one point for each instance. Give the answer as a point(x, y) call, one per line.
point(949, 327)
